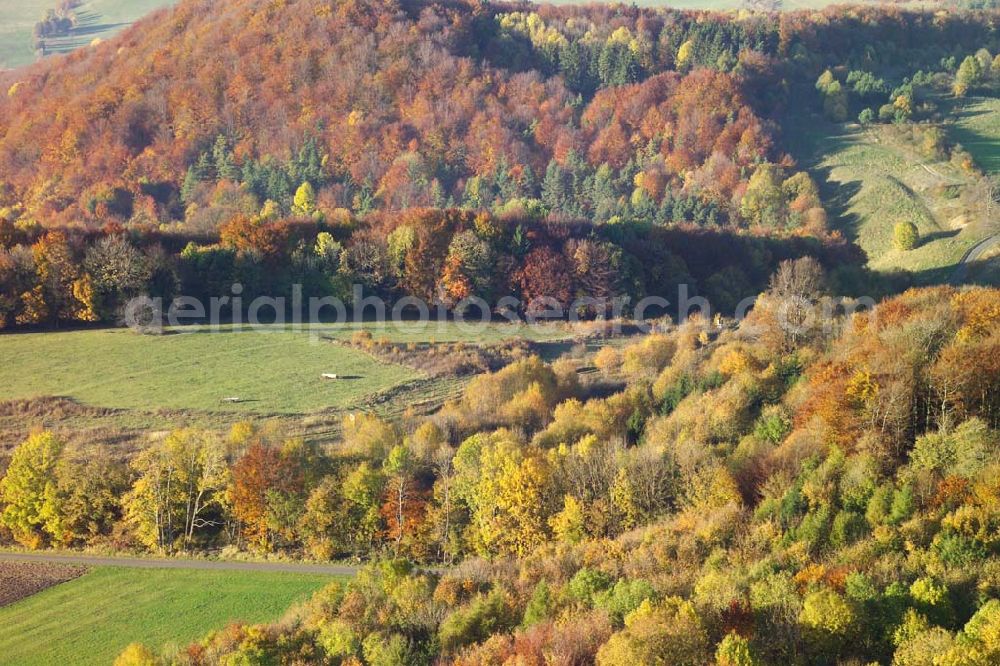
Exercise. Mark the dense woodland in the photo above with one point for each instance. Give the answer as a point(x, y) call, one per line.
point(714, 492)
point(446, 150)
point(743, 493)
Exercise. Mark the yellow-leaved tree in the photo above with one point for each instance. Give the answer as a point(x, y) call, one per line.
point(28, 490)
point(510, 500)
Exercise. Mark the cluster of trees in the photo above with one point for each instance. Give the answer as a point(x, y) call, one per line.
point(407, 491)
point(595, 48)
point(976, 70)
point(57, 22)
point(60, 277)
point(745, 495)
point(879, 100)
point(443, 256)
point(579, 606)
point(884, 97)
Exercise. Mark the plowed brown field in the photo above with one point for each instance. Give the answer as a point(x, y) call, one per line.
point(22, 579)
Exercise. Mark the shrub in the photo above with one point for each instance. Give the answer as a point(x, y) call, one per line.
point(773, 425)
point(848, 527)
point(669, 632)
point(540, 606)
point(827, 620)
point(734, 650)
point(905, 236)
point(338, 640)
point(932, 599)
point(623, 598)
point(923, 649)
point(588, 582)
point(979, 642)
point(607, 360)
point(648, 357)
point(388, 650)
point(137, 654)
point(474, 623)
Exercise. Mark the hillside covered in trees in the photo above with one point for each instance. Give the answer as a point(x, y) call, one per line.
point(740, 494)
point(325, 143)
point(813, 484)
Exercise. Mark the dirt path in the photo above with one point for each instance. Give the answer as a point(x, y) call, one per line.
point(143, 563)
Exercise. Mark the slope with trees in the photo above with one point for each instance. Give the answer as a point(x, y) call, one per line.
point(799, 495)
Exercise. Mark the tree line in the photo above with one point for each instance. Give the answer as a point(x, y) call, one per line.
point(445, 256)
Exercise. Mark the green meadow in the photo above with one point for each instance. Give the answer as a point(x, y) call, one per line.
point(90, 620)
point(870, 181)
point(98, 19)
point(271, 373)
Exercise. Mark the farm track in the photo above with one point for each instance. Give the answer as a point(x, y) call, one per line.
point(163, 563)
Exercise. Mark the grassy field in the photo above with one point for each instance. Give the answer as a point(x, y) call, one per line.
point(97, 19)
point(977, 128)
point(17, 20)
point(117, 385)
point(449, 331)
point(870, 181)
point(273, 373)
point(91, 619)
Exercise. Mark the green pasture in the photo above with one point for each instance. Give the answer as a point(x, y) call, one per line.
point(90, 620)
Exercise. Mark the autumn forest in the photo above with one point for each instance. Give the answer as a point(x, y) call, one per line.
point(805, 469)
